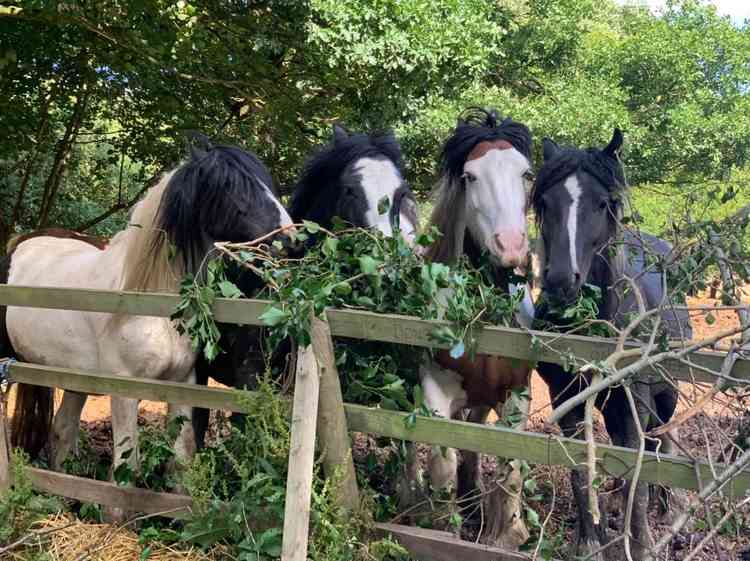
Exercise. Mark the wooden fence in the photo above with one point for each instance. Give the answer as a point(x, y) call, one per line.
point(316, 374)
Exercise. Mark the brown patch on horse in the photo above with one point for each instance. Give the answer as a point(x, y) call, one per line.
point(486, 379)
point(483, 147)
point(98, 243)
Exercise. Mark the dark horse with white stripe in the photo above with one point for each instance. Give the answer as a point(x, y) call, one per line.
point(355, 178)
point(578, 199)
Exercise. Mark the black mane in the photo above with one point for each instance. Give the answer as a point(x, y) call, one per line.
point(477, 125)
point(317, 188)
point(210, 194)
point(606, 170)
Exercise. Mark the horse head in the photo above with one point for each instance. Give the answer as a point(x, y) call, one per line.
point(486, 173)
point(577, 199)
point(358, 178)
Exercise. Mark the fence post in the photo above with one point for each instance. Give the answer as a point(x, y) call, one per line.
point(333, 433)
point(301, 457)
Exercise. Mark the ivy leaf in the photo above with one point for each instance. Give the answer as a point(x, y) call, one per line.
point(274, 316)
point(368, 265)
point(311, 227)
point(533, 517)
point(229, 289)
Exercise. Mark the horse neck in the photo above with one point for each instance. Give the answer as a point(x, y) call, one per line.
point(604, 274)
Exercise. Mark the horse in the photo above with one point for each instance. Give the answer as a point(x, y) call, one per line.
point(480, 207)
point(220, 193)
point(355, 177)
point(578, 199)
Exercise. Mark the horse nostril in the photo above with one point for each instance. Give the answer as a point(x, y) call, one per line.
point(577, 277)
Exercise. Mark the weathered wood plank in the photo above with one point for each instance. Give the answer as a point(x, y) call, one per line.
point(242, 311)
point(677, 471)
point(106, 493)
point(501, 341)
point(126, 386)
point(532, 447)
point(301, 457)
point(333, 434)
point(432, 545)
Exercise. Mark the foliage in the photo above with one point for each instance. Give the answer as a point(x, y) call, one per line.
point(96, 98)
point(239, 492)
point(359, 269)
point(20, 506)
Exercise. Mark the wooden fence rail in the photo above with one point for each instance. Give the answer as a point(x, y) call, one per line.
point(532, 447)
point(502, 341)
point(520, 344)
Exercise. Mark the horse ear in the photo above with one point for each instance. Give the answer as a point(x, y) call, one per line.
point(198, 144)
point(613, 148)
point(549, 148)
point(339, 133)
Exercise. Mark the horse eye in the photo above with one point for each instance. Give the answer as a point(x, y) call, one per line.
point(602, 205)
point(469, 177)
point(529, 175)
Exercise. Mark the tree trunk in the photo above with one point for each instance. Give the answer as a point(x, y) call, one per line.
point(62, 154)
point(31, 162)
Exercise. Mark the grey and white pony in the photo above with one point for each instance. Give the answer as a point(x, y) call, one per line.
point(578, 198)
point(218, 194)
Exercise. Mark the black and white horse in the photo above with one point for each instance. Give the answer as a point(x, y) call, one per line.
point(220, 193)
point(357, 178)
point(578, 198)
point(480, 207)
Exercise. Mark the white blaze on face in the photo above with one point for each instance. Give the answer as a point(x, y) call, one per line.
point(284, 218)
point(496, 204)
point(574, 190)
point(381, 179)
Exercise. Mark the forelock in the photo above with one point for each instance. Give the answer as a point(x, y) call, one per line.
point(567, 161)
point(481, 125)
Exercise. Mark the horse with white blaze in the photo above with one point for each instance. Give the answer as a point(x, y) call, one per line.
point(359, 179)
point(579, 198)
point(480, 208)
point(221, 193)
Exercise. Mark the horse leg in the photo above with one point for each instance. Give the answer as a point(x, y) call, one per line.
point(589, 536)
point(469, 472)
point(66, 426)
point(125, 446)
point(185, 443)
point(506, 527)
point(410, 483)
point(670, 502)
point(200, 415)
point(444, 395)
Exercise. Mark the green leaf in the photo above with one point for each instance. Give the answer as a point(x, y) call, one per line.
point(229, 290)
point(311, 227)
point(533, 517)
point(274, 316)
point(368, 265)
